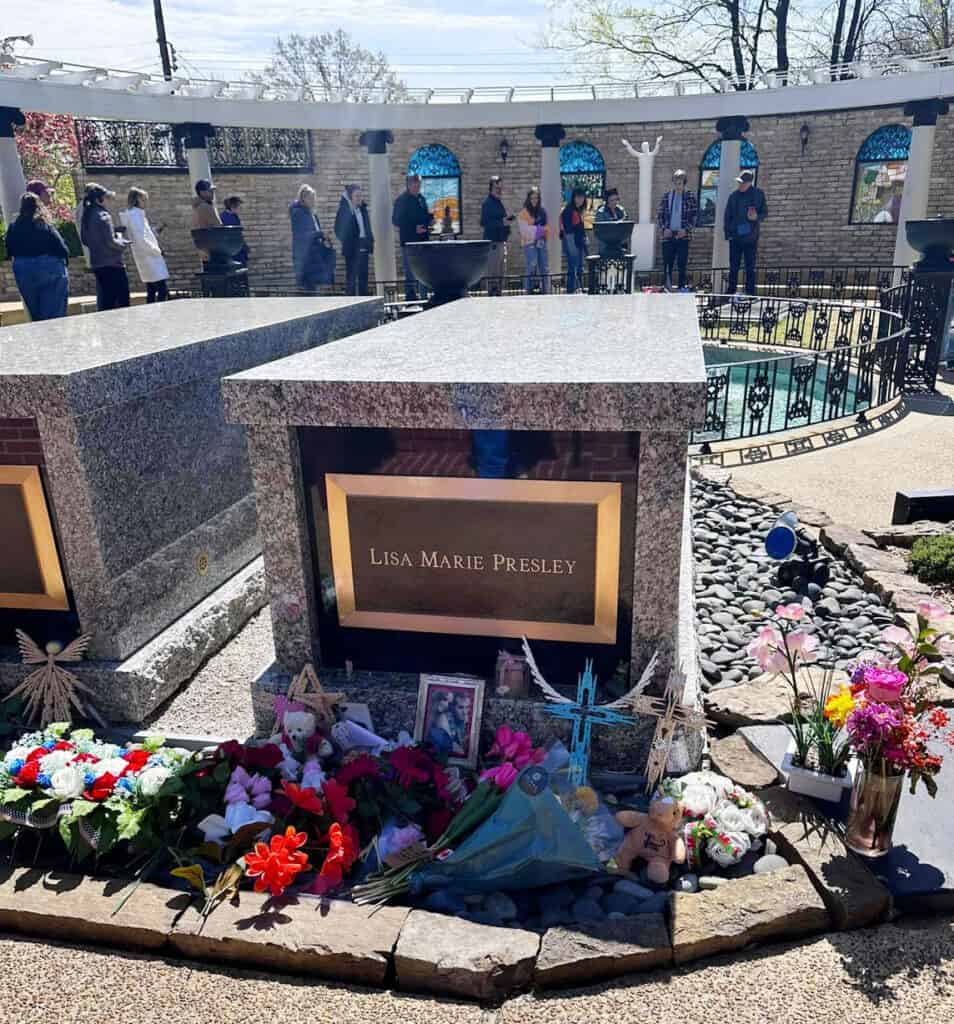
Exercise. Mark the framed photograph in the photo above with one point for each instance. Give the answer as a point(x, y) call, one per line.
point(449, 710)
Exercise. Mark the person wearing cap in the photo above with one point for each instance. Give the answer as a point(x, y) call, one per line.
point(353, 230)
point(612, 209)
point(676, 216)
point(105, 249)
point(39, 260)
point(204, 213)
point(744, 212)
point(41, 190)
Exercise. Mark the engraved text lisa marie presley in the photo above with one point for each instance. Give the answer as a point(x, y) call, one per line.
point(474, 563)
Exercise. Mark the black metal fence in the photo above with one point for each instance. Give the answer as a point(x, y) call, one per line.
point(754, 397)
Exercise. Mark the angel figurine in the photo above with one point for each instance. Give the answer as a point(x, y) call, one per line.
point(50, 690)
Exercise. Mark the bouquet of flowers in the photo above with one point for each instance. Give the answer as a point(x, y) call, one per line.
point(721, 821)
point(98, 793)
point(886, 712)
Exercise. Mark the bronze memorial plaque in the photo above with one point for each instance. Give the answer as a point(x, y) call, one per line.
point(475, 556)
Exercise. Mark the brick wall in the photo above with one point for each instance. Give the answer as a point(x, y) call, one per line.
point(20, 443)
point(808, 197)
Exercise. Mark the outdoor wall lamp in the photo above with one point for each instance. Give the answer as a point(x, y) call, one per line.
point(803, 134)
point(503, 150)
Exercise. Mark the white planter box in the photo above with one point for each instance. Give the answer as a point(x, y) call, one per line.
point(812, 783)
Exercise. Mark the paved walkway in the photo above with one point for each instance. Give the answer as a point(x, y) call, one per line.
point(855, 482)
point(896, 974)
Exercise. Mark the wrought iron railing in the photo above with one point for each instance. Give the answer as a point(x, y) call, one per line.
point(146, 146)
point(755, 397)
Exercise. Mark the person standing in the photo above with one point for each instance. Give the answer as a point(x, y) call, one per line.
point(573, 233)
point(105, 249)
point(145, 246)
point(353, 230)
point(312, 254)
point(612, 209)
point(744, 212)
point(39, 260)
point(231, 219)
point(413, 220)
point(676, 216)
point(534, 232)
point(496, 222)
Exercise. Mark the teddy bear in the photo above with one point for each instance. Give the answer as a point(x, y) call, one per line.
point(654, 838)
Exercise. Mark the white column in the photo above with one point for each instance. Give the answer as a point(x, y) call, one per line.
point(380, 203)
point(199, 166)
point(551, 189)
point(729, 162)
point(917, 179)
point(12, 181)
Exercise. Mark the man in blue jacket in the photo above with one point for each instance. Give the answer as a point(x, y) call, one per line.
point(744, 212)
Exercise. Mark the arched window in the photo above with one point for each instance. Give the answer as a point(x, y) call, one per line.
point(582, 166)
point(440, 186)
point(880, 167)
point(709, 177)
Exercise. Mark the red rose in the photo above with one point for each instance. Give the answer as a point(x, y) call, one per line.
point(28, 773)
point(63, 745)
point(36, 753)
point(101, 787)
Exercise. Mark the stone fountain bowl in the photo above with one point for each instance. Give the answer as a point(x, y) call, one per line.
point(448, 268)
point(933, 239)
point(614, 234)
point(221, 243)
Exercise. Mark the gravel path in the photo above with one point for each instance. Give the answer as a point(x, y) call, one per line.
point(895, 974)
point(218, 699)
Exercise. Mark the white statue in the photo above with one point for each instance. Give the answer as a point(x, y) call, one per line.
point(645, 157)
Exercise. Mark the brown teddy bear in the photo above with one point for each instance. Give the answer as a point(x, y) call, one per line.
point(654, 838)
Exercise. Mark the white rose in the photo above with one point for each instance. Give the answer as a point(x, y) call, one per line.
point(718, 783)
point(56, 760)
point(68, 783)
point(111, 766)
point(697, 800)
point(729, 817)
point(731, 853)
point(151, 780)
point(755, 818)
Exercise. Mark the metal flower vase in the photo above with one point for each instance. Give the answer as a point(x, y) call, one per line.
point(875, 798)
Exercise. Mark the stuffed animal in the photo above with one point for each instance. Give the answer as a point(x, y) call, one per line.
point(298, 727)
point(654, 838)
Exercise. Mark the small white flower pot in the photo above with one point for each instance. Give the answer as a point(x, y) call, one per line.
point(812, 783)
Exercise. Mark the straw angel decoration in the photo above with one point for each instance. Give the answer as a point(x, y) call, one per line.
point(50, 691)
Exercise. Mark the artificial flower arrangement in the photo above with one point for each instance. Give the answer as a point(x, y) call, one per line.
point(721, 822)
point(97, 793)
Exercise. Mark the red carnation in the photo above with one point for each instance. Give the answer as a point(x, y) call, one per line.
point(412, 765)
point(63, 745)
point(28, 773)
point(340, 804)
point(36, 753)
point(361, 767)
point(136, 759)
point(101, 787)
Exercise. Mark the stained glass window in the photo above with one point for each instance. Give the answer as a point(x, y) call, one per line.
point(582, 166)
point(440, 185)
point(880, 169)
point(709, 177)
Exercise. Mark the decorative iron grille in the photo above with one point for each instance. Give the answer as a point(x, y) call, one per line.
point(149, 146)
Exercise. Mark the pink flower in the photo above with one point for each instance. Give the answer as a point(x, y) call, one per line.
point(885, 684)
point(792, 612)
point(502, 776)
point(931, 611)
point(766, 649)
point(804, 645)
point(898, 637)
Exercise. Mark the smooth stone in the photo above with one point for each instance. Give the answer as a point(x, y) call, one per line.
point(687, 883)
point(707, 882)
point(773, 596)
point(770, 862)
point(723, 657)
point(754, 607)
point(627, 887)
point(724, 619)
point(501, 905)
point(828, 606)
point(587, 910)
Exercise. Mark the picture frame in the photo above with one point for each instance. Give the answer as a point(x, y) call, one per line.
point(449, 714)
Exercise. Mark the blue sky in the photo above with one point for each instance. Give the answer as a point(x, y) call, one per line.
point(454, 43)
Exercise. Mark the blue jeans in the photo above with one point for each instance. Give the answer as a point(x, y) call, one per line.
point(574, 264)
point(536, 263)
point(410, 281)
point(43, 285)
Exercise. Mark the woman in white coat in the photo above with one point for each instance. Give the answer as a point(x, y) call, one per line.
point(145, 246)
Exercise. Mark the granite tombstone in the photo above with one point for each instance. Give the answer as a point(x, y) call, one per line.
point(126, 497)
point(435, 488)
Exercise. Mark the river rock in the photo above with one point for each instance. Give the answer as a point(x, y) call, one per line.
point(770, 862)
